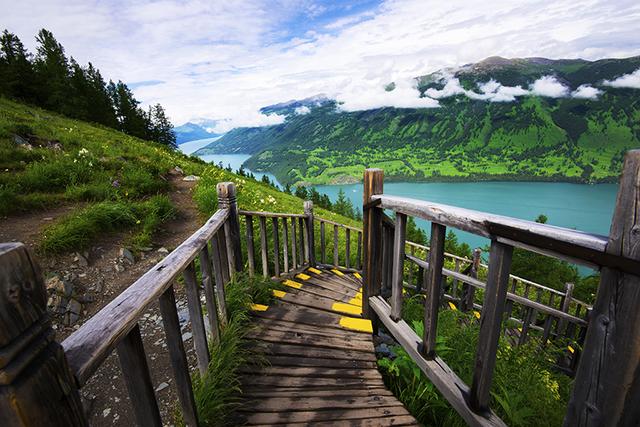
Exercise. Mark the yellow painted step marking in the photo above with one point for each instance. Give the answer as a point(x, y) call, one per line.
point(314, 270)
point(279, 294)
point(303, 276)
point(357, 300)
point(358, 276)
point(292, 284)
point(259, 307)
point(346, 308)
point(452, 306)
point(362, 325)
point(571, 349)
point(338, 272)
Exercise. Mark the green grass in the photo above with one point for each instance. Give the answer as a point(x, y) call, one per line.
point(217, 393)
point(78, 230)
point(525, 390)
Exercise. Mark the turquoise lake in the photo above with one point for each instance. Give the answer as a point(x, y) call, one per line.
point(584, 207)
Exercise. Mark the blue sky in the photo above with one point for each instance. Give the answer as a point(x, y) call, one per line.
point(223, 60)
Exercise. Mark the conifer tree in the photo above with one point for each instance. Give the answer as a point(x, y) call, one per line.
point(52, 72)
point(16, 71)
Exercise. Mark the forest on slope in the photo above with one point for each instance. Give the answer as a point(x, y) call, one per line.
point(578, 136)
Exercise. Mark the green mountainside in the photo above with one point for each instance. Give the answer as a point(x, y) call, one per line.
point(531, 138)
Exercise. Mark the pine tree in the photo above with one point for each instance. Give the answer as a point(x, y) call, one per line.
point(17, 77)
point(100, 108)
point(52, 72)
point(131, 119)
point(161, 129)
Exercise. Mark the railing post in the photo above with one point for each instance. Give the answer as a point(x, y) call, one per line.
point(372, 239)
point(490, 323)
point(227, 200)
point(308, 211)
point(606, 390)
point(433, 284)
point(566, 303)
point(36, 385)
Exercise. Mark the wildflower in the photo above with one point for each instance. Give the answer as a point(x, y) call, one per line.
point(452, 306)
point(115, 183)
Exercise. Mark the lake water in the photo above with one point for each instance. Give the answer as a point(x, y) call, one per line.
point(584, 207)
point(235, 160)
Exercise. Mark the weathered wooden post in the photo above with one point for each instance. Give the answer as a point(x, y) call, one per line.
point(227, 200)
point(308, 211)
point(566, 302)
point(606, 391)
point(36, 385)
point(372, 239)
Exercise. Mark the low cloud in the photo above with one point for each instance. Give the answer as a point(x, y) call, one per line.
point(550, 87)
point(246, 119)
point(628, 80)
point(491, 91)
point(303, 109)
point(357, 97)
point(586, 92)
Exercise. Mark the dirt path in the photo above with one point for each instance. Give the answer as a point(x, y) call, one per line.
point(97, 276)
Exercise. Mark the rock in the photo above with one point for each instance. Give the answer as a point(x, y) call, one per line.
point(55, 284)
point(97, 286)
point(74, 308)
point(128, 255)
point(81, 260)
point(187, 336)
point(183, 316)
point(384, 351)
point(191, 178)
point(179, 170)
point(163, 250)
point(119, 268)
point(106, 412)
point(162, 386)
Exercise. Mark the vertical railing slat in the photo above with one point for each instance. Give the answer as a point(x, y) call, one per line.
point(310, 246)
point(251, 256)
point(398, 266)
point(276, 247)
point(490, 323)
point(195, 315)
point(209, 293)
point(372, 240)
point(135, 369)
point(433, 286)
point(285, 244)
point(336, 255)
point(264, 249)
point(294, 244)
point(302, 252)
point(178, 357)
point(359, 255)
point(218, 269)
point(347, 249)
point(323, 244)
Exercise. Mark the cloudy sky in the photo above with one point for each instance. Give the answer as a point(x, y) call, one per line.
point(224, 60)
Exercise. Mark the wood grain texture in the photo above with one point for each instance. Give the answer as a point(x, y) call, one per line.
point(311, 248)
point(398, 266)
point(372, 239)
point(227, 200)
point(607, 384)
point(264, 249)
point(36, 384)
point(433, 286)
point(195, 316)
point(276, 247)
point(206, 270)
point(251, 250)
point(178, 357)
point(136, 370)
point(490, 324)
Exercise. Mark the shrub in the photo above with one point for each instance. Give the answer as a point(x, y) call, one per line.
point(138, 181)
point(55, 175)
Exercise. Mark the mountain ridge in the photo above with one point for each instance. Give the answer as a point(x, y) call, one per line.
point(572, 137)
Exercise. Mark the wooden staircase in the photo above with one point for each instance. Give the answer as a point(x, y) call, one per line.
point(318, 364)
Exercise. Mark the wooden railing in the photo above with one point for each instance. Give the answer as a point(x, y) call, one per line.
point(40, 379)
point(607, 383)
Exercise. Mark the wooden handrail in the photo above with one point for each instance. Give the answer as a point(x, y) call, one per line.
point(270, 214)
point(87, 347)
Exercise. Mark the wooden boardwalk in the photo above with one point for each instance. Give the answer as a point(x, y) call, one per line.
point(319, 366)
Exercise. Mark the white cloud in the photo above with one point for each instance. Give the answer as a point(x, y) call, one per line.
point(586, 92)
point(550, 87)
point(491, 91)
point(303, 109)
point(628, 80)
point(225, 60)
point(367, 96)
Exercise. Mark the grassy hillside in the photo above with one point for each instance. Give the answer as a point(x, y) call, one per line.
point(118, 181)
point(532, 138)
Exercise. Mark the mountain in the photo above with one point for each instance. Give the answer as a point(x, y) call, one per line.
point(294, 106)
point(557, 120)
point(191, 132)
